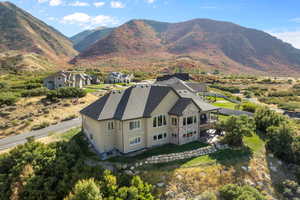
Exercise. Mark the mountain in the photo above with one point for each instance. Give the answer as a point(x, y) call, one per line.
point(85, 39)
point(22, 34)
point(200, 43)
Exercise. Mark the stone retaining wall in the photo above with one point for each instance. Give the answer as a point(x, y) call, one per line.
point(182, 155)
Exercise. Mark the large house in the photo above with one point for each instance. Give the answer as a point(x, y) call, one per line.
point(118, 77)
point(144, 116)
point(181, 76)
point(178, 84)
point(67, 79)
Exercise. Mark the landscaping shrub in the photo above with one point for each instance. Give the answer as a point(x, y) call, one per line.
point(235, 192)
point(236, 127)
point(280, 139)
point(249, 107)
point(231, 89)
point(66, 92)
point(264, 118)
point(69, 117)
point(290, 190)
point(8, 98)
point(52, 171)
point(40, 126)
point(284, 93)
point(35, 92)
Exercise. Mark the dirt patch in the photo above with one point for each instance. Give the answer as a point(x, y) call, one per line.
point(33, 111)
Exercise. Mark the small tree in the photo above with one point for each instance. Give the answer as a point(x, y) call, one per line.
point(236, 127)
point(235, 192)
point(280, 141)
point(85, 190)
point(264, 118)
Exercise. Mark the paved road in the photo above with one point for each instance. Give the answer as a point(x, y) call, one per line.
point(226, 111)
point(14, 140)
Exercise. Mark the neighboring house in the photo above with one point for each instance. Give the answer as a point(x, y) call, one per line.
point(118, 77)
point(178, 84)
point(144, 116)
point(181, 76)
point(67, 79)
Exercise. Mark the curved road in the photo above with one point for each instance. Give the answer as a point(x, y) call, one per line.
point(14, 140)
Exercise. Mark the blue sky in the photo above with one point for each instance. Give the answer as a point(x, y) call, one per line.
point(280, 18)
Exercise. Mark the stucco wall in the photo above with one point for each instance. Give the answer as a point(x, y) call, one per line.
point(163, 108)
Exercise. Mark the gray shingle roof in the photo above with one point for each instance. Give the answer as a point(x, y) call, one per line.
point(140, 101)
point(203, 106)
point(180, 106)
point(134, 102)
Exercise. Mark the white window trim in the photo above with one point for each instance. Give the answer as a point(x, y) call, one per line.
point(157, 126)
point(140, 123)
point(108, 126)
point(133, 138)
point(163, 138)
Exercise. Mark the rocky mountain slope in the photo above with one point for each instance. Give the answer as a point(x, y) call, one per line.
point(201, 43)
point(85, 39)
point(23, 34)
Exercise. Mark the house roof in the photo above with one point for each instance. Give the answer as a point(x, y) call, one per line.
point(134, 102)
point(140, 101)
point(182, 76)
point(180, 106)
point(178, 84)
point(197, 87)
point(203, 106)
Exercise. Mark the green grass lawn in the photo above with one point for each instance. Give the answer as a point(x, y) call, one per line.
point(223, 103)
point(68, 134)
point(253, 145)
point(165, 149)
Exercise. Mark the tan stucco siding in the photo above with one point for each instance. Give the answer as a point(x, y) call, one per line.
point(132, 134)
point(102, 138)
point(190, 110)
point(162, 109)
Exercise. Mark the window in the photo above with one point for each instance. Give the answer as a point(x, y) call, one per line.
point(195, 119)
point(189, 120)
point(174, 121)
point(155, 122)
point(160, 136)
point(159, 121)
point(110, 125)
point(134, 124)
point(135, 141)
point(174, 135)
point(184, 121)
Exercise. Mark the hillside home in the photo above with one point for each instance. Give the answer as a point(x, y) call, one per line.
point(181, 76)
point(118, 77)
point(145, 116)
point(178, 84)
point(67, 79)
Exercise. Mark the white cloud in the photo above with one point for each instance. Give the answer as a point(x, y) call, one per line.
point(79, 4)
point(55, 2)
point(99, 4)
point(86, 21)
point(150, 1)
point(117, 4)
point(292, 37)
point(42, 1)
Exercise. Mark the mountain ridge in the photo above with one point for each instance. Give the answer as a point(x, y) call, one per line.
point(217, 41)
point(22, 32)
